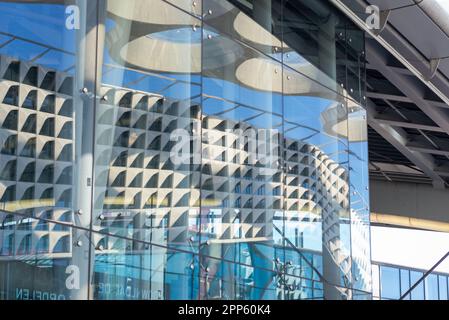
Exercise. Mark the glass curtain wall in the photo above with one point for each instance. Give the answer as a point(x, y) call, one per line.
point(182, 149)
point(392, 282)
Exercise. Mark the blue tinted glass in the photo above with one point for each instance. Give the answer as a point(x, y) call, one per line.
point(256, 205)
point(442, 285)
point(418, 292)
point(389, 282)
point(431, 285)
point(405, 282)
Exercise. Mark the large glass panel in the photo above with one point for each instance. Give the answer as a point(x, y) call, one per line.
point(305, 37)
point(376, 282)
point(355, 62)
point(320, 44)
point(389, 283)
point(221, 138)
point(215, 286)
point(418, 292)
point(255, 23)
point(317, 186)
point(38, 259)
point(147, 153)
point(359, 197)
point(241, 182)
point(131, 269)
point(442, 285)
point(405, 283)
point(431, 285)
point(46, 57)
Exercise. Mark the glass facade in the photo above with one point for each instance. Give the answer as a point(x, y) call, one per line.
point(391, 282)
point(182, 149)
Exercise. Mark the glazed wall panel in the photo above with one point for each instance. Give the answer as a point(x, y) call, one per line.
point(183, 150)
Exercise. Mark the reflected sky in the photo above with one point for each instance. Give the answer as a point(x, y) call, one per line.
point(26, 21)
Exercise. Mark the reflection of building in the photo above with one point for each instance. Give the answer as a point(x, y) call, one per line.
point(136, 150)
point(139, 187)
point(37, 136)
point(36, 154)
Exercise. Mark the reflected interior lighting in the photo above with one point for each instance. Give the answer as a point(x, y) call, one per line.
point(260, 74)
point(409, 222)
point(19, 222)
point(27, 204)
point(252, 31)
point(179, 42)
point(211, 202)
point(266, 75)
point(356, 132)
point(130, 201)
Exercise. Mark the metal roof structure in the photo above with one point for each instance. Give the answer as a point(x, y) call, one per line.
point(407, 83)
point(407, 88)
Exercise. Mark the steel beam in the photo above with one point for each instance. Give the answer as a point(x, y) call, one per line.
point(410, 125)
point(421, 144)
point(425, 149)
point(399, 139)
point(400, 70)
point(386, 96)
point(414, 123)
